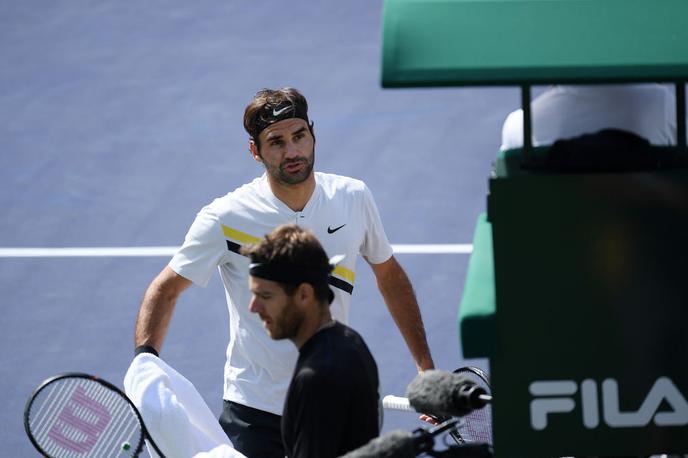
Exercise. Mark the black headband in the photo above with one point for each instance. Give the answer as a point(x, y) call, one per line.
point(287, 274)
point(269, 115)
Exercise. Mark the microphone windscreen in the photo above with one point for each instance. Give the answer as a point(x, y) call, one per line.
point(437, 393)
point(396, 444)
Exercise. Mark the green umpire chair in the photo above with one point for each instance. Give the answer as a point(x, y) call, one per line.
point(576, 290)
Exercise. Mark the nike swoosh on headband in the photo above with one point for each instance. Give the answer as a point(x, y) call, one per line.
point(280, 111)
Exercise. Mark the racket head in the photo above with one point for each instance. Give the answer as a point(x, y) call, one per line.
point(477, 425)
point(79, 415)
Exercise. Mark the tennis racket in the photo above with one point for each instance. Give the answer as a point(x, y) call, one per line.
point(80, 415)
point(477, 425)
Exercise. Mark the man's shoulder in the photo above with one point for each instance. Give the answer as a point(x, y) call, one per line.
point(339, 184)
point(245, 195)
point(335, 349)
point(348, 333)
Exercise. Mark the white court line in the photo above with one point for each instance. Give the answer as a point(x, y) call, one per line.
point(446, 248)
point(152, 251)
point(87, 252)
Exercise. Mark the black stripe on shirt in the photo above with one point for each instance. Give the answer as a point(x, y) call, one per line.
point(341, 284)
point(234, 247)
point(334, 281)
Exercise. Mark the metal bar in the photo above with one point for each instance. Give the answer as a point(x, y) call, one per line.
point(681, 115)
point(527, 123)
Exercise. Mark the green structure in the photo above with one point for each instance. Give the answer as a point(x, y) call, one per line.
point(575, 290)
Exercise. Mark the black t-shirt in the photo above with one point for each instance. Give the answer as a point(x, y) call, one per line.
point(332, 402)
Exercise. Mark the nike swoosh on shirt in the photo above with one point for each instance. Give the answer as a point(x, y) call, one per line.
point(332, 231)
point(279, 112)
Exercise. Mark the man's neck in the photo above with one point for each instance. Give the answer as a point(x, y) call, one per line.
point(312, 324)
point(294, 196)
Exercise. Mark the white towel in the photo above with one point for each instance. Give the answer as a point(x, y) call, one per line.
point(173, 411)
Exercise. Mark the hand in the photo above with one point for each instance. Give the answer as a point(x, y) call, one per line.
point(425, 365)
point(429, 419)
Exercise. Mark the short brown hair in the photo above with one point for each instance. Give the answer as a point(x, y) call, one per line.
point(288, 102)
point(290, 255)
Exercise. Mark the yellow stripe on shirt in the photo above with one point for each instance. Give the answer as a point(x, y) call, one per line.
point(345, 273)
point(239, 236)
point(243, 237)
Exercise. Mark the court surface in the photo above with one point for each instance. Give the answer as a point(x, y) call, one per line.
point(120, 120)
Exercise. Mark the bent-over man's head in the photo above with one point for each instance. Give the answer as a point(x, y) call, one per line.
point(289, 274)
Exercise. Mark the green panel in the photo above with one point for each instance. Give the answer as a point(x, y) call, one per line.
point(508, 162)
point(469, 42)
point(590, 285)
point(477, 309)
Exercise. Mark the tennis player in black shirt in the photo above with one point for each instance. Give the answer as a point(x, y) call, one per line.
point(332, 402)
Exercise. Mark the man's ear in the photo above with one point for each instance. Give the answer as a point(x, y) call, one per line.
point(253, 148)
point(305, 293)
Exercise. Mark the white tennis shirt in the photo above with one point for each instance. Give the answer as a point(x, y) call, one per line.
point(561, 112)
point(342, 214)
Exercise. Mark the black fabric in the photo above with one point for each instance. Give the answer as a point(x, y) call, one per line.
point(609, 150)
point(333, 400)
point(271, 114)
point(146, 349)
point(285, 273)
point(254, 432)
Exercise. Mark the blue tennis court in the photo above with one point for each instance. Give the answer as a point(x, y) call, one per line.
point(120, 120)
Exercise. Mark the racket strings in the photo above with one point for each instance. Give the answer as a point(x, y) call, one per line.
point(477, 425)
point(125, 426)
point(73, 428)
point(79, 417)
point(47, 429)
point(39, 421)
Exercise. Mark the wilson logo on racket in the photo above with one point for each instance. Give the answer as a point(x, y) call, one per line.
point(80, 423)
point(556, 397)
point(77, 415)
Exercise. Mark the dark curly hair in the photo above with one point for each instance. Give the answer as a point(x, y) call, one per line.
point(290, 256)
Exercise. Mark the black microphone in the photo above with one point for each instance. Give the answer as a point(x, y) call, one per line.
point(396, 444)
point(401, 444)
point(444, 394)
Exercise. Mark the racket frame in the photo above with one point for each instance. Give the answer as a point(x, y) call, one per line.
point(477, 371)
point(482, 375)
point(145, 435)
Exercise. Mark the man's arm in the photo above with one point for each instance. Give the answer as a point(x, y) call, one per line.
point(157, 307)
point(398, 294)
